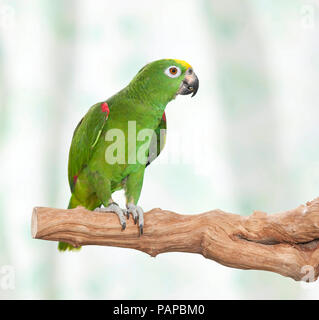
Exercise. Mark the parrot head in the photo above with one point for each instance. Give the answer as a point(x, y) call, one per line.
point(164, 79)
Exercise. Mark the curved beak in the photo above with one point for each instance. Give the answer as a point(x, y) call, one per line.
point(190, 83)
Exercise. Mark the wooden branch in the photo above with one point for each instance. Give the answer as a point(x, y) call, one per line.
point(286, 243)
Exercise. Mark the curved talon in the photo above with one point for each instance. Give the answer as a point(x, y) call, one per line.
point(138, 215)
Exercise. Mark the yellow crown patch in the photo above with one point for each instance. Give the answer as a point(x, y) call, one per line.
point(182, 62)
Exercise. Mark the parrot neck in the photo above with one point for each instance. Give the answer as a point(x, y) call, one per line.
point(149, 96)
point(145, 106)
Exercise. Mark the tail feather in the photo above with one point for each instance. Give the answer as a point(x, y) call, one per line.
point(63, 246)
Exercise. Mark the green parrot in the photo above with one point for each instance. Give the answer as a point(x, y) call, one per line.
point(119, 137)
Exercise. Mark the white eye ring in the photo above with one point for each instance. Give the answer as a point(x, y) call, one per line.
point(173, 72)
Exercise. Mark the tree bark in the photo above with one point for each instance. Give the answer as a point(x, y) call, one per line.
point(286, 243)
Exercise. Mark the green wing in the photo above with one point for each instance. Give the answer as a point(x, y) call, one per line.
point(85, 137)
point(159, 138)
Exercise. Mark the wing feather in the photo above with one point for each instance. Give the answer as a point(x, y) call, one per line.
point(85, 137)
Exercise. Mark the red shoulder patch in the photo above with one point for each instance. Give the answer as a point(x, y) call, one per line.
point(164, 117)
point(75, 178)
point(105, 108)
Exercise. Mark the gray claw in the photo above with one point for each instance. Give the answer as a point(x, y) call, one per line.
point(138, 215)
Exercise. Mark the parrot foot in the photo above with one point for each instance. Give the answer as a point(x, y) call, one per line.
point(114, 207)
point(138, 215)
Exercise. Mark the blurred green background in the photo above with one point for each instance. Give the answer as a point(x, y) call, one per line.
point(247, 141)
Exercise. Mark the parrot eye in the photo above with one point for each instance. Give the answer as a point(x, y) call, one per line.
point(173, 72)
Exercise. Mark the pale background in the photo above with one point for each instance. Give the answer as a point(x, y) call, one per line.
point(248, 140)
